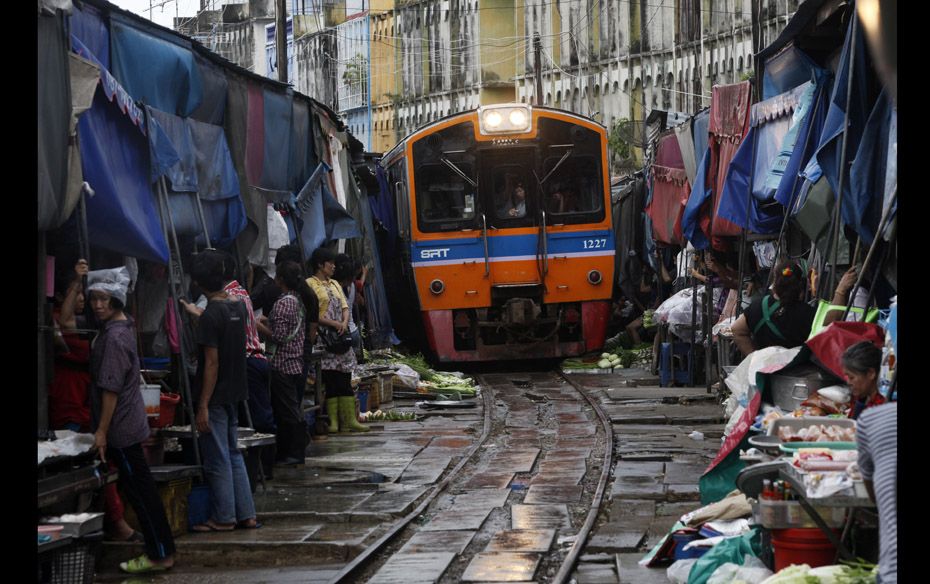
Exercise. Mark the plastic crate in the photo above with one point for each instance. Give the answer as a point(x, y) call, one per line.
point(174, 496)
point(76, 564)
point(790, 514)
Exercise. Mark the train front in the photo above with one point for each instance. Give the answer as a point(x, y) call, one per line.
point(511, 241)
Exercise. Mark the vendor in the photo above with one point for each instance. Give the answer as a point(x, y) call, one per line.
point(861, 363)
point(781, 318)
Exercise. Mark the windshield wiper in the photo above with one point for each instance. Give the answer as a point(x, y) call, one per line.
point(557, 165)
point(458, 171)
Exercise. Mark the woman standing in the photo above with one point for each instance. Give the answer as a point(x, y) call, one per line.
point(286, 324)
point(337, 367)
point(119, 419)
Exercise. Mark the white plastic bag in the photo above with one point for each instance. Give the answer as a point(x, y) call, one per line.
point(406, 377)
point(753, 571)
point(679, 571)
point(745, 373)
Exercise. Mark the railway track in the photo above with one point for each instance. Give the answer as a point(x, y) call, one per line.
point(518, 506)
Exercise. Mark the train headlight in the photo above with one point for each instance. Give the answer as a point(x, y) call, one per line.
point(437, 287)
point(594, 277)
point(507, 118)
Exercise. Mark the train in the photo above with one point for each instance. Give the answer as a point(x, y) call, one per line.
point(504, 225)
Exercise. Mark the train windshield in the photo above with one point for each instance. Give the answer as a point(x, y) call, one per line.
point(446, 183)
point(571, 173)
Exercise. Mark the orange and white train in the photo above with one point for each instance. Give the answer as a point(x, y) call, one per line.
point(505, 231)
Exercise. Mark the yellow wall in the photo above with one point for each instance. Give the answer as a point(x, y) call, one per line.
point(498, 30)
point(385, 76)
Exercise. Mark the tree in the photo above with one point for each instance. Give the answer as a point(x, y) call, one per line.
point(355, 76)
point(621, 141)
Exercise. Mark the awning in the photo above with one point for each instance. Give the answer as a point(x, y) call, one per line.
point(54, 94)
point(157, 69)
point(695, 219)
point(868, 186)
point(670, 191)
point(729, 122)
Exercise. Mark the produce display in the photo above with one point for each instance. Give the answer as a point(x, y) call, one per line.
point(617, 358)
point(431, 381)
point(818, 433)
point(852, 573)
point(389, 416)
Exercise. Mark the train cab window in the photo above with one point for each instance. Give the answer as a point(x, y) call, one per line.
point(444, 196)
point(445, 181)
point(510, 184)
point(574, 193)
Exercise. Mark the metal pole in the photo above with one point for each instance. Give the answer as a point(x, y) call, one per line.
point(280, 37)
point(708, 342)
point(742, 241)
point(868, 257)
point(838, 220)
point(537, 65)
point(165, 211)
point(203, 221)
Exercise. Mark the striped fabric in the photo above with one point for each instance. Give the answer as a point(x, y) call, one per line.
point(877, 435)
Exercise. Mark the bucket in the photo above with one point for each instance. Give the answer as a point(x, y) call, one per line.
point(166, 410)
point(802, 546)
point(151, 395)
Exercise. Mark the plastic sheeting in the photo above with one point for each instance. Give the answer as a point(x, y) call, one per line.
point(863, 209)
point(695, 219)
point(670, 191)
point(157, 69)
point(700, 129)
point(54, 94)
point(786, 70)
point(121, 216)
point(773, 127)
point(828, 156)
point(276, 125)
point(302, 158)
point(382, 206)
point(319, 217)
point(202, 168)
point(87, 26)
point(729, 123)
point(212, 108)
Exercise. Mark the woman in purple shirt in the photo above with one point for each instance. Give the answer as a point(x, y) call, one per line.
point(118, 416)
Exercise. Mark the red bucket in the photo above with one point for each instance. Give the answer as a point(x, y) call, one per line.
point(166, 411)
point(802, 546)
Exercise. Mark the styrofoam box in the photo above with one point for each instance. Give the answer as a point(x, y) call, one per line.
point(798, 423)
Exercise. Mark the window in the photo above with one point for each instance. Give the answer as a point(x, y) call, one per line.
point(574, 188)
point(446, 183)
point(510, 184)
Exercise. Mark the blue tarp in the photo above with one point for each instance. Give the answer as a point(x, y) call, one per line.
point(203, 168)
point(691, 218)
point(863, 209)
point(383, 208)
point(808, 139)
point(121, 216)
point(278, 112)
point(828, 156)
point(786, 70)
point(88, 26)
point(212, 108)
point(318, 216)
point(701, 127)
point(302, 157)
point(773, 130)
point(158, 70)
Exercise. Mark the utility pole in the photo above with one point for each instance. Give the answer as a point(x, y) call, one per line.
point(280, 37)
point(537, 65)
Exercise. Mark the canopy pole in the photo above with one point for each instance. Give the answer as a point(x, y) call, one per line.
point(838, 221)
point(165, 211)
point(203, 221)
point(868, 257)
point(794, 196)
point(84, 244)
point(742, 240)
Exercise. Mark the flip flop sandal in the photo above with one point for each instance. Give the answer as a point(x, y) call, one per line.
point(211, 526)
point(136, 537)
point(141, 565)
point(256, 524)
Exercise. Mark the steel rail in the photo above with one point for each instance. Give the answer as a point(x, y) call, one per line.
point(362, 559)
point(568, 564)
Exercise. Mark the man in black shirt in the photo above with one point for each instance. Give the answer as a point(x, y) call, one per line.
point(221, 384)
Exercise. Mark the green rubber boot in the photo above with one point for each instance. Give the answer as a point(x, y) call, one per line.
point(347, 420)
point(332, 410)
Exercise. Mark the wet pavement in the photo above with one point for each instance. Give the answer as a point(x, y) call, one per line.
point(508, 518)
